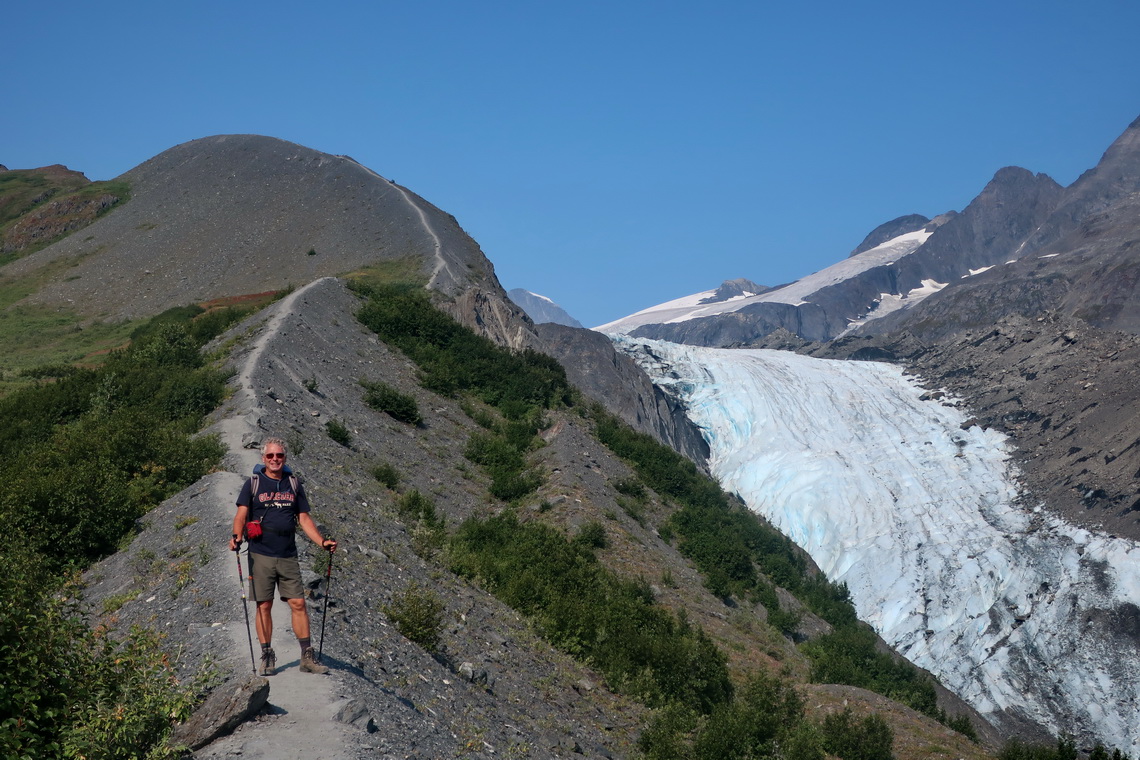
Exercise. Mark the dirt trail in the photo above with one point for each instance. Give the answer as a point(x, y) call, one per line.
point(302, 722)
point(440, 261)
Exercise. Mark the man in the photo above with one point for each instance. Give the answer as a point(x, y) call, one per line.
point(278, 507)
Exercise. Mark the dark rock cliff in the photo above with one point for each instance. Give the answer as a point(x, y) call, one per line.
point(602, 373)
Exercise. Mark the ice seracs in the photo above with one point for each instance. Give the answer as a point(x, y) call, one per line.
point(1017, 612)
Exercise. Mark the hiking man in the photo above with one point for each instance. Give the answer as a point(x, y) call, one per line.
point(270, 518)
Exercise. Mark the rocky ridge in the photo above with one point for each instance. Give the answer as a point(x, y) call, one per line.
point(495, 689)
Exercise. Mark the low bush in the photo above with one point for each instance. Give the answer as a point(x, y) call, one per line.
point(387, 474)
point(849, 655)
point(593, 536)
point(1064, 749)
point(338, 432)
point(384, 398)
point(418, 615)
point(124, 431)
point(850, 739)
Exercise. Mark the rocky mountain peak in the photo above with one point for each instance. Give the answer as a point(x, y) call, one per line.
point(735, 289)
point(890, 230)
point(235, 214)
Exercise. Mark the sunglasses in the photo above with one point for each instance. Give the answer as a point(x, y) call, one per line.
point(274, 456)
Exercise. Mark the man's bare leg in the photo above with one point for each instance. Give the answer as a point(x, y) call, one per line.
point(265, 621)
point(300, 618)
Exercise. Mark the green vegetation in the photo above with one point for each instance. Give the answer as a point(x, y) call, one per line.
point(847, 655)
point(418, 616)
point(612, 623)
point(124, 432)
point(384, 398)
point(387, 474)
point(407, 271)
point(428, 529)
point(591, 613)
point(453, 360)
point(338, 432)
point(21, 190)
point(106, 699)
point(850, 739)
point(1064, 749)
point(502, 453)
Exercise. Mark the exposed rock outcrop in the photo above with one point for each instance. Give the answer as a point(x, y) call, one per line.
point(614, 379)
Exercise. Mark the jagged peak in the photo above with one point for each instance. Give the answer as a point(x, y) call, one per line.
point(890, 230)
point(736, 288)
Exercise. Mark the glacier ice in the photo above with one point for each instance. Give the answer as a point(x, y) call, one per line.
point(1014, 610)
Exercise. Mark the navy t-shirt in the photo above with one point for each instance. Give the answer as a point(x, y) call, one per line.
point(277, 506)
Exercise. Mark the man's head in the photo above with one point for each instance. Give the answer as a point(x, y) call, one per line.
point(273, 455)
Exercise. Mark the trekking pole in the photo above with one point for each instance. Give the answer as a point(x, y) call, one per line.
point(325, 613)
point(245, 609)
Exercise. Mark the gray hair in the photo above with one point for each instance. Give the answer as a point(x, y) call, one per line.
point(274, 442)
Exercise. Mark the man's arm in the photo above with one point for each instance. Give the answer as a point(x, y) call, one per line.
point(310, 528)
point(240, 517)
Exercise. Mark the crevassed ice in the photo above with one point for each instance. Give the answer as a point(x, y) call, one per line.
point(1011, 609)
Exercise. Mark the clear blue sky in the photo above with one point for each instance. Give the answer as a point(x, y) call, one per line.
point(609, 155)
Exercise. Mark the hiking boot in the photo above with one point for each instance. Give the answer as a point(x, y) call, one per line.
point(310, 665)
point(268, 662)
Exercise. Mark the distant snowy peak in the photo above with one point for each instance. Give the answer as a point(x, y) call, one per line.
point(541, 309)
point(728, 297)
point(730, 289)
point(889, 230)
point(731, 297)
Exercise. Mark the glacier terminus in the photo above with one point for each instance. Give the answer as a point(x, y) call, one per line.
point(919, 513)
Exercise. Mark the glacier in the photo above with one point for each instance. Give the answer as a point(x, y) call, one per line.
point(1019, 613)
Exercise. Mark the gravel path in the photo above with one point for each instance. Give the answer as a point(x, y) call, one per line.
point(302, 721)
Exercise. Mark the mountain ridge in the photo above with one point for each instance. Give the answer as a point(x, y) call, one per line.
point(439, 253)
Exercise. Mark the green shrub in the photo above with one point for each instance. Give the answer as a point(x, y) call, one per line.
point(630, 487)
point(415, 506)
point(424, 524)
point(766, 719)
point(963, 725)
point(387, 474)
point(502, 455)
point(1064, 749)
point(125, 431)
point(338, 432)
point(384, 398)
point(849, 739)
point(593, 536)
point(418, 616)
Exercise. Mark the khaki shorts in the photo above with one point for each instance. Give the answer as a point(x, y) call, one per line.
point(282, 572)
